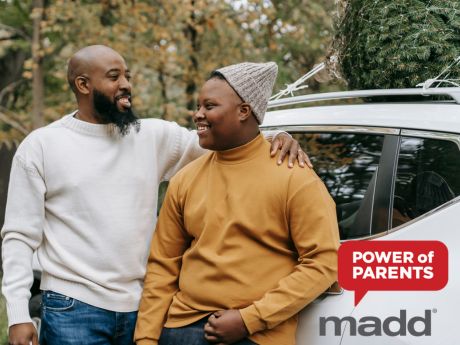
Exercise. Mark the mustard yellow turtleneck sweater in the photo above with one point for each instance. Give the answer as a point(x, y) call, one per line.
point(237, 231)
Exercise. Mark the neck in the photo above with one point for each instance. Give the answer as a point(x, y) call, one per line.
point(86, 113)
point(245, 137)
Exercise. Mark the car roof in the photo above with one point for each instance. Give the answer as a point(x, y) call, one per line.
point(430, 116)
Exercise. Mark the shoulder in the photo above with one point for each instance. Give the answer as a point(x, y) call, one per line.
point(54, 128)
point(164, 130)
point(306, 183)
point(34, 142)
point(194, 167)
point(305, 175)
point(159, 125)
point(152, 122)
point(187, 174)
point(296, 174)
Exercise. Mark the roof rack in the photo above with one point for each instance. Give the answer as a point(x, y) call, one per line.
point(453, 92)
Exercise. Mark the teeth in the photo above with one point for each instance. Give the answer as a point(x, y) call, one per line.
point(125, 101)
point(202, 128)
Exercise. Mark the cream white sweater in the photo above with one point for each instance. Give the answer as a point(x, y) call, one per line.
point(85, 199)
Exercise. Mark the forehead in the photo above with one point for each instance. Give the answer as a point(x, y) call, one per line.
point(108, 61)
point(218, 89)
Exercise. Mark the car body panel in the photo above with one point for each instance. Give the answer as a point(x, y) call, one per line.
point(423, 119)
point(444, 117)
point(439, 225)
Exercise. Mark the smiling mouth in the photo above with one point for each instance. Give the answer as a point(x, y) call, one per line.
point(124, 101)
point(201, 128)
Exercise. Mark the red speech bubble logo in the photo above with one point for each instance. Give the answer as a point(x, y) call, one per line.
point(392, 266)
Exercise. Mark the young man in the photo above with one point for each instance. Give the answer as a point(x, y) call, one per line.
point(83, 194)
point(240, 247)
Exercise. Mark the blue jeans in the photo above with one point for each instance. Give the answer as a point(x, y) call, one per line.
point(192, 334)
point(67, 321)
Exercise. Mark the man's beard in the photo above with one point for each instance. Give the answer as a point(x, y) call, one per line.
point(107, 112)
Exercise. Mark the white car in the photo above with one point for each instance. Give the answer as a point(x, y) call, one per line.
point(393, 169)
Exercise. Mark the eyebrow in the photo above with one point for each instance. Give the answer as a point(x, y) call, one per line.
point(206, 100)
point(117, 70)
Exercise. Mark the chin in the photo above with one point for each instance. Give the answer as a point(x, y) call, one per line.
point(205, 144)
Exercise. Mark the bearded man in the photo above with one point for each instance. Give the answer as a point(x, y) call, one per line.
point(83, 195)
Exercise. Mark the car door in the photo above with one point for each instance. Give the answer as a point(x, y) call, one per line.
point(425, 206)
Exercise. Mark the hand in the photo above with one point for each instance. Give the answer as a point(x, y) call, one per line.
point(225, 327)
point(23, 334)
point(286, 143)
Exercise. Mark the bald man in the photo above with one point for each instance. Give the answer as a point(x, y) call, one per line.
point(83, 195)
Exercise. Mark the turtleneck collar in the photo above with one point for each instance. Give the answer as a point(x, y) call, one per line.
point(241, 153)
point(100, 130)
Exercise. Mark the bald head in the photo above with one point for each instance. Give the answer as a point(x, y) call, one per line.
point(82, 63)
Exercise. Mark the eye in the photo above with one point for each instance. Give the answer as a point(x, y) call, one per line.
point(128, 77)
point(113, 77)
point(209, 106)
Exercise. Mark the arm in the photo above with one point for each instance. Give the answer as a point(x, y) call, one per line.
point(186, 148)
point(169, 242)
point(314, 232)
point(313, 228)
point(184, 145)
point(22, 233)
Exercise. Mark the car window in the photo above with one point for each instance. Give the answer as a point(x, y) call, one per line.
point(348, 164)
point(428, 175)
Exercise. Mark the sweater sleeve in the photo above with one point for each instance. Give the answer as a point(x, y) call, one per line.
point(270, 135)
point(169, 242)
point(186, 148)
point(184, 145)
point(22, 231)
point(314, 233)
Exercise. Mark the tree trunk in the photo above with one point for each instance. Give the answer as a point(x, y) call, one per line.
point(38, 91)
point(164, 94)
point(190, 83)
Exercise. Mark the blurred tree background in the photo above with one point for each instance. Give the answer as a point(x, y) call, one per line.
point(170, 46)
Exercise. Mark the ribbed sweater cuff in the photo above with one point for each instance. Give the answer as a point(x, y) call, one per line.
point(18, 312)
point(270, 135)
point(252, 320)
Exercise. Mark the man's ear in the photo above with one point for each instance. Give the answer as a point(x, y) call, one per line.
point(81, 83)
point(245, 112)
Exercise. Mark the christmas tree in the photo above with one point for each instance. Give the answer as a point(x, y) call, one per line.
point(397, 43)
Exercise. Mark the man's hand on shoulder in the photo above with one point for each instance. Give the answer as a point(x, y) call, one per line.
point(23, 334)
point(225, 327)
point(287, 144)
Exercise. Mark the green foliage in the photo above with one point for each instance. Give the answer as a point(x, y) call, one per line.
point(295, 34)
point(398, 43)
point(3, 322)
point(171, 46)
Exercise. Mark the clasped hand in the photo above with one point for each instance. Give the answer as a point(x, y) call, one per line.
point(225, 327)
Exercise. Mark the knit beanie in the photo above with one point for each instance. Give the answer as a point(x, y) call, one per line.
point(253, 82)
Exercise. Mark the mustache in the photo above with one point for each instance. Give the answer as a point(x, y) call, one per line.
point(124, 94)
point(109, 113)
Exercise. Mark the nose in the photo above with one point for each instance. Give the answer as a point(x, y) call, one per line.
point(199, 114)
point(125, 84)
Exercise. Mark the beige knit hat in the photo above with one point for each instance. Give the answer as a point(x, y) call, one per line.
point(253, 82)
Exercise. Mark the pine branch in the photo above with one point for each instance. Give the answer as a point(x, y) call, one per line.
point(8, 89)
point(18, 32)
point(13, 123)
